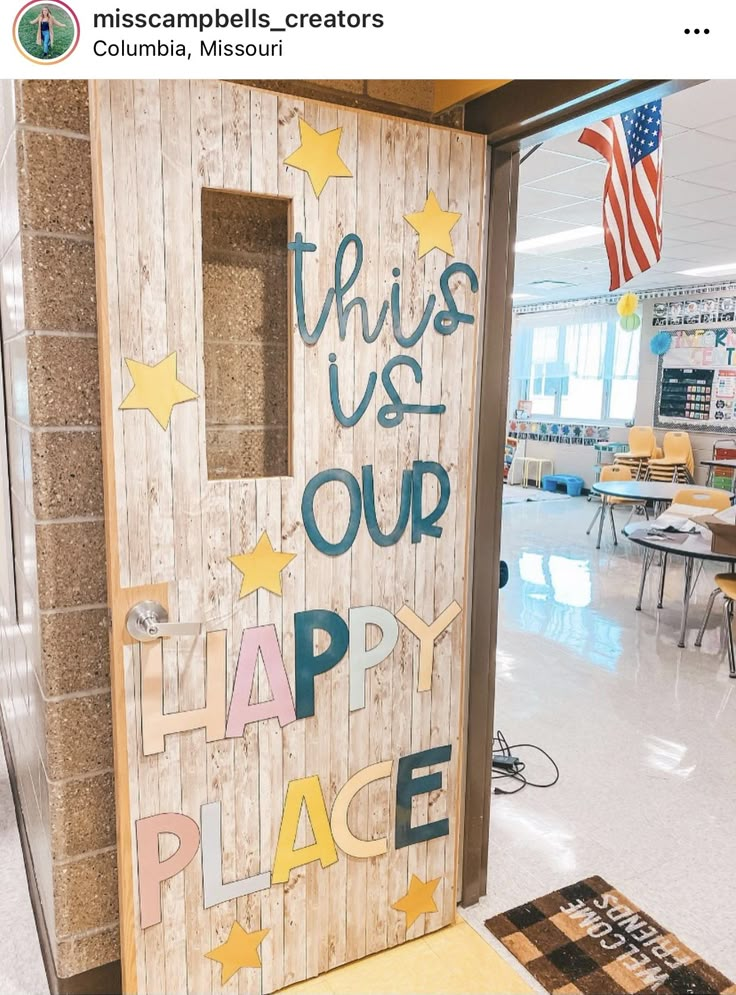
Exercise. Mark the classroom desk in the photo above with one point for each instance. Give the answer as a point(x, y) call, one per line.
point(696, 547)
point(637, 490)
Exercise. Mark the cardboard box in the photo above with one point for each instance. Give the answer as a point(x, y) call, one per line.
point(722, 534)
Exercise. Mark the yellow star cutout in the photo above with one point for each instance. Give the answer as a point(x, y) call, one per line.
point(262, 567)
point(156, 389)
point(318, 156)
point(239, 950)
point(418, 899)
point(434, 226)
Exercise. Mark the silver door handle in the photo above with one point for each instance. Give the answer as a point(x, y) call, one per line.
point(149, 620)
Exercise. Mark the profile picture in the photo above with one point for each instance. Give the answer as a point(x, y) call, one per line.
point(46, 32)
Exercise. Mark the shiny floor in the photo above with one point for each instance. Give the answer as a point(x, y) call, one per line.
point(21, 967)
point(644, 733)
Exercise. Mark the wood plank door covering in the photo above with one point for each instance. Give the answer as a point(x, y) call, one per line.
point(287, 779)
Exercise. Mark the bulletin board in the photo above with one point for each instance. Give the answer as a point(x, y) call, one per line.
point(696, 376)
point(288, 780)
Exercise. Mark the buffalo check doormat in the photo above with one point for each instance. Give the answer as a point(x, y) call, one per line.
point(589, 939)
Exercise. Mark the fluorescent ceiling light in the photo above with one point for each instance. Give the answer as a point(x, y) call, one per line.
point(518, 296)
point(704, 270)
point(584, 235)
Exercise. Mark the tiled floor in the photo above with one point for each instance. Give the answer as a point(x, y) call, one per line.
point(644, 733)
point(21, 967)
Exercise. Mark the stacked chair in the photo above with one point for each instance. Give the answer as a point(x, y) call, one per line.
point(642, 449)
point(677, 464)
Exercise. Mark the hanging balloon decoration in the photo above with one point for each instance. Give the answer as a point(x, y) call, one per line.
point(661, 343)
point(630, 322)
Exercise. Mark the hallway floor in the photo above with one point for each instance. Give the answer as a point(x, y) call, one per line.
point(644, 733)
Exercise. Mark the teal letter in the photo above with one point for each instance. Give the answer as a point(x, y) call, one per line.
point(446, 322)
point(307, 664)
point(369, 503)
point(299, 247)
point(421, 525)
point(407, 787)
point(310, 524)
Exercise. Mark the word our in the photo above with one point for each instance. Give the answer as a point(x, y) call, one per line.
point(328, 831)
point(245, 708)
point(411, 502)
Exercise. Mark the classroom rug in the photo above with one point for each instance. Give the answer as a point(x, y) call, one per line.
point(589, 939)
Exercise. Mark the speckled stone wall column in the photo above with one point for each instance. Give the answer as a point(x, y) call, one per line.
point(58, 519)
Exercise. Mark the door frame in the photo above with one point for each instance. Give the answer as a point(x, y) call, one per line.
point(521, 113)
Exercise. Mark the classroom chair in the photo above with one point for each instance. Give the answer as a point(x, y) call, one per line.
point(610, 473)
point(677, 464)
point(642, 447)
point(708, 499)
point(727, 586)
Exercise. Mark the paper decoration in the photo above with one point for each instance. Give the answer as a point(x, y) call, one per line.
point(262, 567)
point(318, 156)
point(630, 322)
point(427, 636)
point(362, 658)
point(418, 900)
point(661, 343)
point(261, 639)
point(214, 889)
point(627, 305)
point(156, 723)
point(343, 836)
point(433, 226)
point(156, 389)
point(152, 871)
point(239, 950)
point(307, 792)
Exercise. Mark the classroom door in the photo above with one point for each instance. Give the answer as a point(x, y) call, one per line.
point(288, 318)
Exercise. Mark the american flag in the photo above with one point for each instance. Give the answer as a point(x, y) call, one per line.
point(632, 194)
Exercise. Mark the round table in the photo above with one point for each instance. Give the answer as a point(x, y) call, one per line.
point(636, 490)
point(694, 547)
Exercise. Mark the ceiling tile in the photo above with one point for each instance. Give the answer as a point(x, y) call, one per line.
point(586, 212)
point(706, 231)
point(534, 227)
point(721, 208)
point(585, 181)
point(533, 201)
point(701, 104)
point(569, 145)
point(543, 163)
point(721, 129)
point(679, 192)
point(723, 176)
point(692, 150)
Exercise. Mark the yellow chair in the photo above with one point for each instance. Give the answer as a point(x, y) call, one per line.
point(706, 499)
point(642, 447)
point(727, 586)
point(677, 464)
point(611, 473)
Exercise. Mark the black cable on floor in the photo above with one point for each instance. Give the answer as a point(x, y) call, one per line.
point(501, 747)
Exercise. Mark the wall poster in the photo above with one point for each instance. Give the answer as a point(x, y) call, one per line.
point(696, 380)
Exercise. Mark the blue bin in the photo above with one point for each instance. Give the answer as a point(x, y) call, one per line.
point(572, 484)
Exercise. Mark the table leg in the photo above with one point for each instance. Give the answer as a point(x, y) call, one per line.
point(648, 557)
point(613, 525)
point(662, 575)
point(709, 482)
point(687, 591)
point(604, 509)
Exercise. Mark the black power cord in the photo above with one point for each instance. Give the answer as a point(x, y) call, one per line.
point(506, 764)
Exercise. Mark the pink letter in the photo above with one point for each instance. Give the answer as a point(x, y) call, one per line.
point(151, 870)
point(263, 639)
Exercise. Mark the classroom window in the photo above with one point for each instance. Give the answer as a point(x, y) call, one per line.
point(246, 334)
point(584, 371)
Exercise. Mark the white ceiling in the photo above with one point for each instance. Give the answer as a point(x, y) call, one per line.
point(561, 187)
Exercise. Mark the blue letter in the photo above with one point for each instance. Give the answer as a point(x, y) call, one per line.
point(446, 322)
point(349, 420)
point(420, 525)
point(299, 247)
point(306, 664)
point(390, 415)
point(369, 502)
point(310, 491)
point(343, 313)
point(407, 786)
